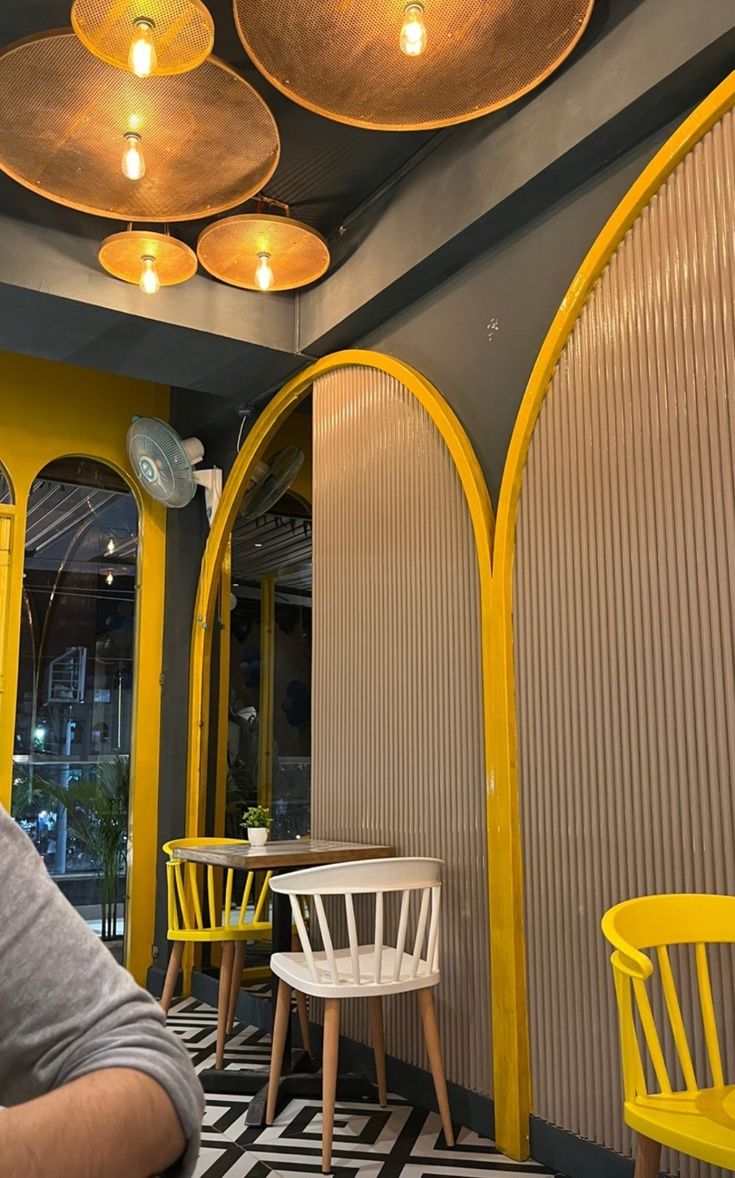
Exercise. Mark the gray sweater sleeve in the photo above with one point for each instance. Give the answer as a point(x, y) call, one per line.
point(66, 1007)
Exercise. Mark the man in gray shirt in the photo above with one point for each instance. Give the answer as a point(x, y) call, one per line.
point(93, 1083)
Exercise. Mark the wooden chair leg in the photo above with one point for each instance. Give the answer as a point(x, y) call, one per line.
point(280, 1029)
point(172, 973)
point(378, 1038)
point(330, 1056)
point(235, 987)
point(647, 1157)
point(223, 1000)
point(302, 1006)
point(434, 1049)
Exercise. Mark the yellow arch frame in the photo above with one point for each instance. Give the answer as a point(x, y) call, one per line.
point(481, 514)
point(512, 1114)
point(77, 432)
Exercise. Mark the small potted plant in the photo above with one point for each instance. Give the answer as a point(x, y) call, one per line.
point(257, 820)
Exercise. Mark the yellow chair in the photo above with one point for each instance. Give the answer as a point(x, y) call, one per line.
point(187, 923)
point(699, 1119)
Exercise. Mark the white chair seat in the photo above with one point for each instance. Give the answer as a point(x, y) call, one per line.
point(293, 969)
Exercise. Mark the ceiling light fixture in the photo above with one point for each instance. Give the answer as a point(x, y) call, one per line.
point(145, 37)
point(413, 33)
point(50, 87)
point(109, 578)
point(133, 164)
point(350, 61)
point(143, 59)
point(110, 546)
point(263, 252)
point(146, 259)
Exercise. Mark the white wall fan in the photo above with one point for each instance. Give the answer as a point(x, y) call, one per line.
point(164, 464)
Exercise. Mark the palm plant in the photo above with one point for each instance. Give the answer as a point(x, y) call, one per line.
point(97, 807)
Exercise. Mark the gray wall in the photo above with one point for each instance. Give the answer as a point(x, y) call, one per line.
point(476, 337)
point(215, 422)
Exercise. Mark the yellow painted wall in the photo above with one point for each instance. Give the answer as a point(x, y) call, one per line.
point(48, 410)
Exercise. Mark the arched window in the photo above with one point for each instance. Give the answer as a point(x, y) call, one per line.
point(75, 682)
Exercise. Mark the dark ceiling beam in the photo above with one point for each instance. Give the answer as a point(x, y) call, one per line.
point(640, 64)
point(55, 302)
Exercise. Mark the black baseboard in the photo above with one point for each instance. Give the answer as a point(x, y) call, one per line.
point(565, 1153)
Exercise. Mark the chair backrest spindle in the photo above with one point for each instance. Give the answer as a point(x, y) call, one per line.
point(352, 937)
point(709, 1022)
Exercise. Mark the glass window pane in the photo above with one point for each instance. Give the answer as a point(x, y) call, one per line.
point(6, 491)
point(75, 683)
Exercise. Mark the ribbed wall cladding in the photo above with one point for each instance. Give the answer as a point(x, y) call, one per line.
point(397, 740)
point(624, 628)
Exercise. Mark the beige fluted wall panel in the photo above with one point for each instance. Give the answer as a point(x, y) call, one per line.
point(397, 714)
point(624, 626)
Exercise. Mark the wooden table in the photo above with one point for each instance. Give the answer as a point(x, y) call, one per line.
point(279, 856)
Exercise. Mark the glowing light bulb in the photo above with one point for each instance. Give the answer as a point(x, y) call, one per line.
point(110, 546)
point(413, 33)
point(133, 164)
point(142, 58)
point(264, 272)
point(149, 283)
point(109, 578)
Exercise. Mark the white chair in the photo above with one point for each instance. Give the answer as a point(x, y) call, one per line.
point(361, 971)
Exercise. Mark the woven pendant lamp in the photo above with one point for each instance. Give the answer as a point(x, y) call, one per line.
point(260, 251)
point(201, 142)
point(393, 65)
point(147, 259)
point(147, 37)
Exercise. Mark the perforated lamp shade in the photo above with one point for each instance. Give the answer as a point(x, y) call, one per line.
point(181, 31)
point(230, 249)
point(344, 60)
point(207, 138)
point(122, 254)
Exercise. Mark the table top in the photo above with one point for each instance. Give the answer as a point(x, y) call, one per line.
point(291, 853)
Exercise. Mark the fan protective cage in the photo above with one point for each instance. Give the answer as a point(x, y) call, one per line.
point(228, 250)
point(208, 139)
point(160, 462)
point(283, 468)
point(121, 255)
point(183, 31)
point(343, 60)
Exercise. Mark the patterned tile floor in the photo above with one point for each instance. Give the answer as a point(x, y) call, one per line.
point(369, 1141)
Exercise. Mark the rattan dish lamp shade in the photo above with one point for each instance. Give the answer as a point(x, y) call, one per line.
point(122, 254)
point(182, 31)
point(229, 250)
point(208, 139)
point(343, 59)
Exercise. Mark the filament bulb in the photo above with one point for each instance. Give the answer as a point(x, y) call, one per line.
point(142, 58)
point(133, 164)
point(264, 272)
point(149, 283)
point(413, 33)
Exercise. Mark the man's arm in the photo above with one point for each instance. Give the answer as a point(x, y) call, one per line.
point(75, 1030)
point(119, 1123)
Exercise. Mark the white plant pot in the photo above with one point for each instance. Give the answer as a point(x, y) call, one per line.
point(257, 836)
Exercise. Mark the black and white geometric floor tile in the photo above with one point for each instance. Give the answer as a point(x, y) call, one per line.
point(369, 1141)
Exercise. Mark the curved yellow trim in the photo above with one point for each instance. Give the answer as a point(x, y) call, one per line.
point(81, 432)
point(263, 431)
point(512, 1109)
point(265, 428)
